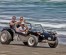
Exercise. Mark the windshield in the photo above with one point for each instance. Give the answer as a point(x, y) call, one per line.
point(36, 27)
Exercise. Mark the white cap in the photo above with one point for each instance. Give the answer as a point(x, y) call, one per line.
point(22, 23)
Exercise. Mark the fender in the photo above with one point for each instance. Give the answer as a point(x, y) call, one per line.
point(10, 30)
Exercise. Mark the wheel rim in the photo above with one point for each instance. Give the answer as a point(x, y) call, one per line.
point(31, 41)
point(3, 37)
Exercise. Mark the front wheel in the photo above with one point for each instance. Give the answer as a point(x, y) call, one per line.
point(5, 37)
point(32, 41)
point(54, 45)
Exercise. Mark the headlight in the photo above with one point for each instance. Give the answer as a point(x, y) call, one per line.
point(49, 38)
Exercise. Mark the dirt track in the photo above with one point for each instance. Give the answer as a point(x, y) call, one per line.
point(41, 49)
point(18, 48)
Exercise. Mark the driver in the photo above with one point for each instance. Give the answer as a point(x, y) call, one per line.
point(22, 29)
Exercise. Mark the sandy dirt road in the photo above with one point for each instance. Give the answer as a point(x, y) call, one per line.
point(18, 48)
point(41, 49)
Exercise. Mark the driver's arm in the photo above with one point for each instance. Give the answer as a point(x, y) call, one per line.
point(26, 30)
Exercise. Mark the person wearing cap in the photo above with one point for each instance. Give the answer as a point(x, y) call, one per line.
point(22, 29)
point(12, 22)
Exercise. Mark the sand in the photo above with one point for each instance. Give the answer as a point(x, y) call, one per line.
point(41, 49)
point(18, 48)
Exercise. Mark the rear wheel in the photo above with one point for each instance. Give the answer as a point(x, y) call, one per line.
point(32, 41)
point(54, 45)
point(5, 37)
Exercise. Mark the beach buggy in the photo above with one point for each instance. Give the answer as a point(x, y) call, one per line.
point(35, 35)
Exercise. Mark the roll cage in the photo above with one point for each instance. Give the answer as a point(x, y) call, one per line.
point(35, 27)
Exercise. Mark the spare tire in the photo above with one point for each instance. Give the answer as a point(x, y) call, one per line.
point(5, 37)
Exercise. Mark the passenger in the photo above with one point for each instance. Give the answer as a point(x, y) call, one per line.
point(22, 29)
point(20, 21)
point(12, 22)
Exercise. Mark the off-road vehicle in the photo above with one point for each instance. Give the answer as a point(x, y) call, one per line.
point(35, 35)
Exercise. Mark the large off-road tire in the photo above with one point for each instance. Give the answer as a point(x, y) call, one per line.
point(5, 37)
point(32, 41)
point(54, 45)
point(25, 43)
